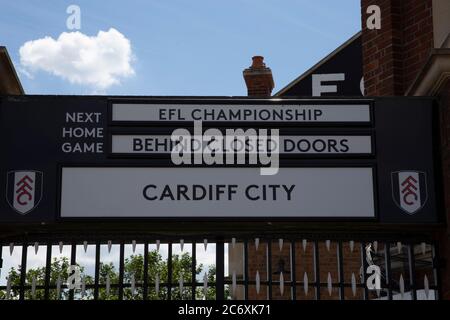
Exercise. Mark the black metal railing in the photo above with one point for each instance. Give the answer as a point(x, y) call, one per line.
point(266, 267)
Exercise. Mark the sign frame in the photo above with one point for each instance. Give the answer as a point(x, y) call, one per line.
point(329, 132)
point(239, 101)
point(295, 164)
point(395, 127)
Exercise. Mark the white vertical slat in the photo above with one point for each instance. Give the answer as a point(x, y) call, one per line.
point(329, 284)
point(33, 287)
point(83, 287)
point(305, 283)
point(353, 284)
point(352, 245)
point(157, 284)
point(256, 244)
point(108, 284)
point(426, 286)
point(8, 288)
point(375, 246)
point(158, 243)
point(181, 285)
point(280, 244)
point(233, 284)
point(205, 283)
point(424, 247)
point(182, 244)
point(399, 247)
point(58, 288)
point(402, 286)
point(304, 243)
point(281, 284)
point(133, 284)
point(258, 282)
point(327, 244)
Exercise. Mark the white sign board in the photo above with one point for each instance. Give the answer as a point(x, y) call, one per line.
point(124, 192)
point(241, 113)
point(330, 145)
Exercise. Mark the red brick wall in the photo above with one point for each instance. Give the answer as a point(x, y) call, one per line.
point(393, 55)
point(304, 263)
point(417, 37)
point(259, 85)
point(392, 58)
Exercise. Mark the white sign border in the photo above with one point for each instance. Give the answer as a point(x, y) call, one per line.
point(233, 219)
point(240, 102)
point(326, 155)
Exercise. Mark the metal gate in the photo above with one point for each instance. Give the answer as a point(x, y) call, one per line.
point(301, 267)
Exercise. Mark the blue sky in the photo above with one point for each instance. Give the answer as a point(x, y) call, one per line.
point(197, 47)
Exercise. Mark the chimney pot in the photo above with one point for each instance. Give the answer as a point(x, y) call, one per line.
point(258, 62)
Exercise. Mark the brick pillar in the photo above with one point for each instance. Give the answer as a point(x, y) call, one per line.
point(392, 59)
point(417, 37)
point(258, 78)
point(382, 55)
point(394, 54)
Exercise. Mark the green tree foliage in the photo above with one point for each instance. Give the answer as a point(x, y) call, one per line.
point(133, 266)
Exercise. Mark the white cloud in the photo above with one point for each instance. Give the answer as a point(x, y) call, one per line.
point(25, 73)
point(98, 61)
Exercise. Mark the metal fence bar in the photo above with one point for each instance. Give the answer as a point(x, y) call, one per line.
point(23, 271)
point(412, 271)
point(220, 270)
point(269, 267)
point(387, 250)
point(293, 272)
point(1, 256)
point(246, 276)
point(169, 271)
point(341, 270)
point(364, 265)
point(145, 282)
point(97, 270)
point(317, 269)
point(409, 263)
point(48, 267)
point(193, 269)
point(73, 262)
point(436, 273)
point(121, 269)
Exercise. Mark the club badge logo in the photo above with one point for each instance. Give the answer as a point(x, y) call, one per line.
point(409, 190)
point(24, 190)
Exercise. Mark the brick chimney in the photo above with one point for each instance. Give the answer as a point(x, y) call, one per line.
point(258, 78)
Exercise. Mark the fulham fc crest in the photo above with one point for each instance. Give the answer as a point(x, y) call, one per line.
point(24, 190)
point(409, 190)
